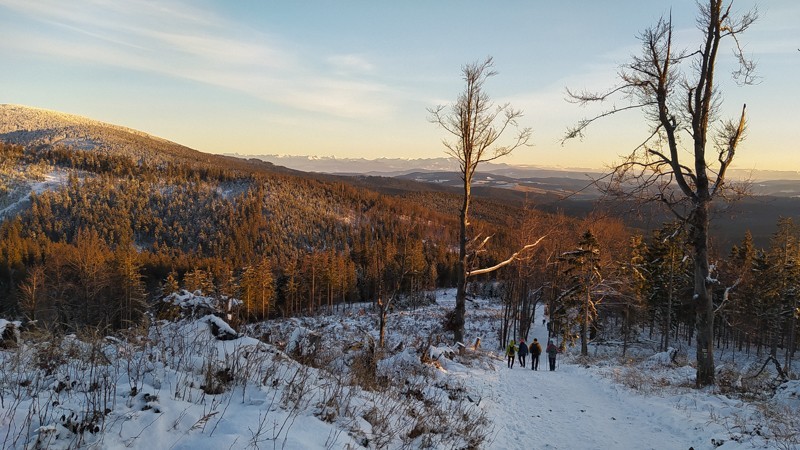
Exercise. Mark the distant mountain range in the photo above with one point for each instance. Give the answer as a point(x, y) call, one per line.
point(535, 179)
point(392, 167)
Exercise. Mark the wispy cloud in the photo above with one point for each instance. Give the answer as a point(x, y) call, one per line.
point(177, 39)
point(350, 63)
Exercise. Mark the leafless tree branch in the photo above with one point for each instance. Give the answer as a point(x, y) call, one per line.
point(508, 261)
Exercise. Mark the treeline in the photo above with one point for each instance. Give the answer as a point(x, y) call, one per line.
point(755, 291)
point(601, 281)
point(762, 306)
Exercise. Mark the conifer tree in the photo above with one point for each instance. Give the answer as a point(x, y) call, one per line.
point(633, 288)
point(265, 287)
point(767, 288)
point(785, 245)
point(199, 280)
point(669, 277)
point(582, 269)
point(89, 266)
point(171, 284)
point(32, 294)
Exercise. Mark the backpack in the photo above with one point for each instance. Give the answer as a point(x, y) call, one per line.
point(511, 349)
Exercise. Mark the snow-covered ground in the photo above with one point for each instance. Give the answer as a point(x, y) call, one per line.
point(303, 384)
point(18, 197)
point(577, 408)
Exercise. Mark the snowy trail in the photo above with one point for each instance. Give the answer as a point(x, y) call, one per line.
point(571, 409)
point(557, 410)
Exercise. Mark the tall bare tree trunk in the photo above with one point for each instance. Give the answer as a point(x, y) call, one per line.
point(459, 313)
point(382, 324)
point(703, 301)
point(656, 85)
point(670, 296)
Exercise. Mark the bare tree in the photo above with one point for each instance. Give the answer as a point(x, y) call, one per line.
point(89, 265)
point(129, 292)
point(682, 101)
point(476, 125)
point(32, 293)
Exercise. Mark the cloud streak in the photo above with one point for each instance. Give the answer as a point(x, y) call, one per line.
point(178, 40)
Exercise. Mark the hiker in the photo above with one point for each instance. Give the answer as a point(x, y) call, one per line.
point(522, 352)
point(511, 350)
point(535, 351)
point(552, 351)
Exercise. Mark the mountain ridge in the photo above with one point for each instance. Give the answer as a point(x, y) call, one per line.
point(31, 113)
point(32, 127)
point(404, 166)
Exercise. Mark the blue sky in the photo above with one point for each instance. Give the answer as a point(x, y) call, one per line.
point(354, 78)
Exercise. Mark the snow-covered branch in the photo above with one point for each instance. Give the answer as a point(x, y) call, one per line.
point(726, 295)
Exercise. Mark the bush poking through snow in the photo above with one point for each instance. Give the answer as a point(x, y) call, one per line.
point(784, 430)
point(364, 368)
point(788, 395)
point(216, 379)
point(9, 333)
point(220, 329)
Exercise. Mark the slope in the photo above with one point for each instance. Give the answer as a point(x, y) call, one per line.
point(157, 393)
point(583, 406)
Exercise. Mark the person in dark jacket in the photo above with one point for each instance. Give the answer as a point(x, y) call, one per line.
point(535, 350)
point(552, 351)
point(522, 352)
point(511, 351)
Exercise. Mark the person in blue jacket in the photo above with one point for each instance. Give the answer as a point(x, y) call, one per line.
point(522, 352)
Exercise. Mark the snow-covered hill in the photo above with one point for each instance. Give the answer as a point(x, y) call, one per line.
point(27, 126)
point(96, 147)
point(23, 119)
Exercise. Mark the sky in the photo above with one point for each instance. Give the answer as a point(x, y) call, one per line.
point(354, 79)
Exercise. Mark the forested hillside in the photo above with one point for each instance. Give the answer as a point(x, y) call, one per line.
point(212, 222)
point(97, 220)
point(99, 225)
